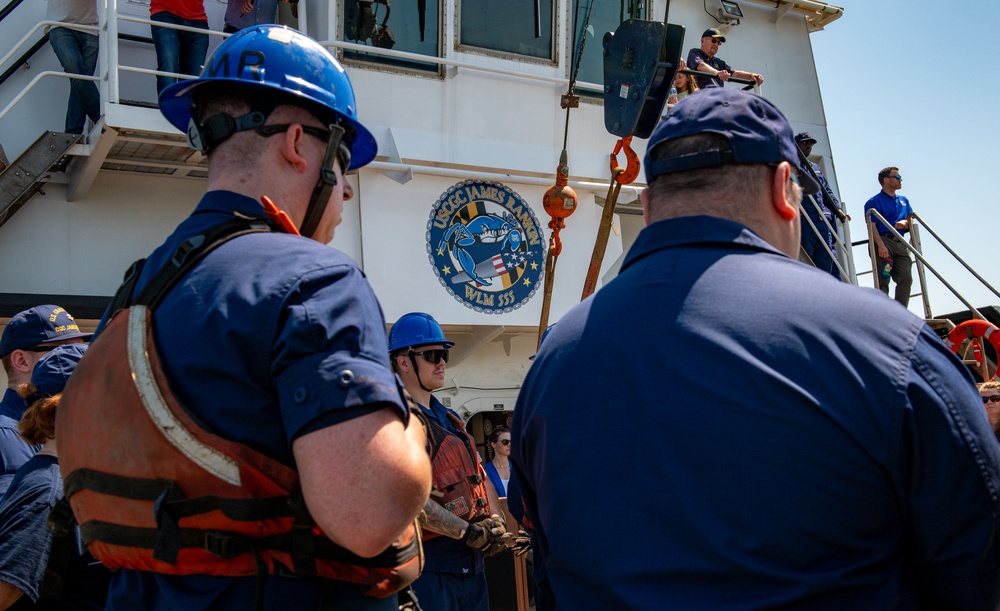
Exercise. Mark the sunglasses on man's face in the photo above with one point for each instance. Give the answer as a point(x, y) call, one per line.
point(433, 356)
point(991, 399)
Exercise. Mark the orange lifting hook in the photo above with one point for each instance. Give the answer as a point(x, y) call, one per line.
point(631, 172)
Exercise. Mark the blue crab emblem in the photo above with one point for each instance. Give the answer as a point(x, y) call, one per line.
point(473, 244)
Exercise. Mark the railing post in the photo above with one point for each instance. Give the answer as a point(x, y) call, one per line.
point(871, 250)
point(112, 50)
point(921, 276)
point(847, 249)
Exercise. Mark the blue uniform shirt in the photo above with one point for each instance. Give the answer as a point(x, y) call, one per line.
point(14, 451)
point(269, 337)
point(697, 56)
point(893, 209)
point(763, 436)
point(825, 185)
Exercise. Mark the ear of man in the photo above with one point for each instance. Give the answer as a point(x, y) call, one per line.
point(783, 201)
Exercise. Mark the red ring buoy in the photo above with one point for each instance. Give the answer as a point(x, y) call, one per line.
point(974, 328)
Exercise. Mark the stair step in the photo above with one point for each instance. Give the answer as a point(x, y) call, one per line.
point(23, 178)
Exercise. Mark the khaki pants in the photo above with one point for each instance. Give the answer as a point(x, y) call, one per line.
point(902, 273)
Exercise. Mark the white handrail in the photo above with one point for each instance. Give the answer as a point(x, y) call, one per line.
point(39, 77)
point(69, 26)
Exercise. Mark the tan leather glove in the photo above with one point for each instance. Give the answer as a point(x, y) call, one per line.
point(488, 535)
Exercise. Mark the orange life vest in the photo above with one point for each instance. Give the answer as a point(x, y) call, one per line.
point(458, 479)
point(156, 492)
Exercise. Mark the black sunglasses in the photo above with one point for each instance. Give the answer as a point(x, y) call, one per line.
point(505, 442)
point(992, 399)
point(433, 356)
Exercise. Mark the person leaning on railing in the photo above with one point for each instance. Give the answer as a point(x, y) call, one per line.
point(704, 59)
point(896, 210)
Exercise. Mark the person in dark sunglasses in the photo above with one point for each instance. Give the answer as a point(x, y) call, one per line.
point(498, 469)
point(990, 392)
point(459, 524)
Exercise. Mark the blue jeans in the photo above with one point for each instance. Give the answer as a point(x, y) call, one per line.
point(77, 52)
point(178, 51)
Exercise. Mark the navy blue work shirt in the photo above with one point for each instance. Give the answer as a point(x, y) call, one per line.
point(892, 208)
point(697, 56)
point(14, 451)
point(444, 554)
point(825, 185)
point(764, 437)
point(269, 337)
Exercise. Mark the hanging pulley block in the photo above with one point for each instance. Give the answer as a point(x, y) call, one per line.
point(640, 59)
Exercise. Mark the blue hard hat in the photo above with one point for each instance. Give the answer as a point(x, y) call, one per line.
point(416, 329)
point(280, 59)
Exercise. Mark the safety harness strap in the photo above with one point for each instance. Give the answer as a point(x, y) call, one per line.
point(172, 501)
point(193, 250)
point(231, 545)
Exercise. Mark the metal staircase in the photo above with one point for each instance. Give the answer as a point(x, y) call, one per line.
point(25, 175)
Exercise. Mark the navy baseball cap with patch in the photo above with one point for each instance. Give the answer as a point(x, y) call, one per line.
point(756, 130)
point(52, 370)
point(805, 137)
point(39, 325)
point(714, 33)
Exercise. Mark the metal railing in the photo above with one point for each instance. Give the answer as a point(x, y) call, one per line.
point(914, 247)
point(38, 77)
point(838, 243)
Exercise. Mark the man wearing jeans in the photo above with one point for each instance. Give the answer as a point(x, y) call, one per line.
point(77, 52)
point(178, 51)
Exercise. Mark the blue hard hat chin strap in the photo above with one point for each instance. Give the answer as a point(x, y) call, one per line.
point(416, 370)
point(211, 132)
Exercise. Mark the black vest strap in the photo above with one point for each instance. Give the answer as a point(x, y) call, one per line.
point(190, 252)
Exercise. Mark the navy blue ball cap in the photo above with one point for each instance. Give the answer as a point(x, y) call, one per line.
point(755, 128)
point(39, 325)
point(52, 370)
point(714, 33)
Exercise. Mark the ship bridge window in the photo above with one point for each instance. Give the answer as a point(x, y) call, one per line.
point(521, 28)
point(413, 27)
point(604, 17)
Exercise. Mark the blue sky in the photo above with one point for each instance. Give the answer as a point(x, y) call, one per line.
point(913, 84)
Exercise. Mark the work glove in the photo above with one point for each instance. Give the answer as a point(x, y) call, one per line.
point(520, 543)
point(487, 536)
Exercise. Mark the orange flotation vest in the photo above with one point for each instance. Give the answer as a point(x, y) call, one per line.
point(458, 479)
point(157, 492)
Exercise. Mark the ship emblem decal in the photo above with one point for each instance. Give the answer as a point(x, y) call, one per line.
point(486, 246)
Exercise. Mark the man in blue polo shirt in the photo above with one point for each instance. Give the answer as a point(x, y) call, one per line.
point(896, 210)
point(845, 463)
point(26, 339)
